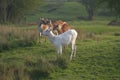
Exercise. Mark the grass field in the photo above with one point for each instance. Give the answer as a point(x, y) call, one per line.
point(66, 11)
point(97, 58)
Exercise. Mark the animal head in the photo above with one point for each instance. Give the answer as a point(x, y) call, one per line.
point(47, 31)
point(43, 21)
point(44, 27)
point(43, 24)
point(59, 24)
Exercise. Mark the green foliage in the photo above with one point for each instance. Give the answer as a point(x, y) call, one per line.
point(14, 37)
point(14, 10)
point(39, 69)
point(114, 6)
point(91, 7)
point(55, 11)
point(61, 62)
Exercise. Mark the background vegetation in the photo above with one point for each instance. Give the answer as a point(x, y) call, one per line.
point(15, 10)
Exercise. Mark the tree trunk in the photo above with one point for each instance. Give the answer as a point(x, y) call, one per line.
point(4, 10)
point(4, 14)
point(90, 13)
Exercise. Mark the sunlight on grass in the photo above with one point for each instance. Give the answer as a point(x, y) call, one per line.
point(97, 57)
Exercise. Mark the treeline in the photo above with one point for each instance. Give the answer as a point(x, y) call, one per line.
point(92, 6)
point(15, 10)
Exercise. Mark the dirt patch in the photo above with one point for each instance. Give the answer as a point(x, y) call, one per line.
point(114, 22)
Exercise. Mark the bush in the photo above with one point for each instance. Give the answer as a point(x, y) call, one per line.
point(13, 37)
point(61, 62)
point(29, 70)
point(12, 72)
point(39, 69)
point(4, 45)
point(117, 34)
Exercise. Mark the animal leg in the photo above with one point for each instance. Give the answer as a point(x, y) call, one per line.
point(65, 46)
point(72, 52)
point(59, 50)
point(45, 39)
point(40, 36)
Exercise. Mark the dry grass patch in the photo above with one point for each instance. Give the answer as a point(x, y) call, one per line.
point(13, 37)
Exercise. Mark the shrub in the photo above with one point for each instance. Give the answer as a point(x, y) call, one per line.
point(61, 62)
point(39, 69)
point(12, 72)
point(13, 37)
point(117, 34)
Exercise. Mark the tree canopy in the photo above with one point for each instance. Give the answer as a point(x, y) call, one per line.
point(91, 6)
point(14, 10)
point(114, 5)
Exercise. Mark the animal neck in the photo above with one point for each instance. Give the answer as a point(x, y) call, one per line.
point(60, 31)
point(51, 36)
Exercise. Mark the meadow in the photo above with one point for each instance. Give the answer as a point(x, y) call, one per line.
point(22, 57)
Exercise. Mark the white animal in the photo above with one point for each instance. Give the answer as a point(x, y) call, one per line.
point(63, 39)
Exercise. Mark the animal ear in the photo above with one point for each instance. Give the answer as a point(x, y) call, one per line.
point(50, 28)
point(41, 18)
point(50, 22)
point(64, 23)
point(39, 22)
point(47, 21)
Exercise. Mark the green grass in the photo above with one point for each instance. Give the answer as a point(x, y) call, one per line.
point(98, 48)
point(14, 37)
point(96, 26)
point(97, 58)
point(66, 11)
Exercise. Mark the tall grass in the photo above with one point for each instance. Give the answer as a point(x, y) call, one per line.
point(13, 37)
point(97, 57)
point(30, 69)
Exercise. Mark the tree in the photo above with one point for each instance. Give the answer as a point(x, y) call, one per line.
point(14, 10)
point(91, 6)
point(114, 5)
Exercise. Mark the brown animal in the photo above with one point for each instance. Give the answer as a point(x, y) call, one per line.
point(60, 26)
point(41, 27)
